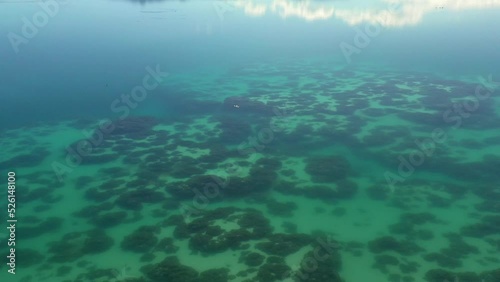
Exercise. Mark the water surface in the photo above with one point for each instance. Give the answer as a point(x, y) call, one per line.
point(251, 140)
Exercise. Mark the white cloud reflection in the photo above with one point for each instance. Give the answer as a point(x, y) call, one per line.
point(300, 9)
point(408, 12)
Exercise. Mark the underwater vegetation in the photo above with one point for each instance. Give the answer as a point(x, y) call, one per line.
point(260, 207)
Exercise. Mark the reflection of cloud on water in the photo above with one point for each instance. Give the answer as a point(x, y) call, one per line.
point(308, 10)
point(253, 9)
point(408, 12)
point(301, 9)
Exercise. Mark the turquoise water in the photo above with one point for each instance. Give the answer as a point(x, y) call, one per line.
point(210, 141)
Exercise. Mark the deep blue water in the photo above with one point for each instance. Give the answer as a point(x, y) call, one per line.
point(86, 45)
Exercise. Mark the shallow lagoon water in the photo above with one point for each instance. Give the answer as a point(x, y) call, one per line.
point(252, 140)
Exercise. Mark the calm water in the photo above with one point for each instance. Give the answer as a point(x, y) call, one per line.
point(210, 141)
